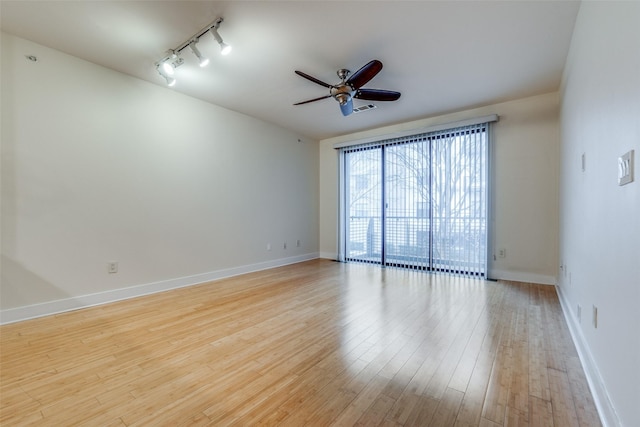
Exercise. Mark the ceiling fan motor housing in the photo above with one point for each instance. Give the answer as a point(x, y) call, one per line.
point(342, 93)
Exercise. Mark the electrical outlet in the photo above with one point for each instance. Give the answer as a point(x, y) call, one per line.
point(112, 267)
point(502, 253)
point(298, 243)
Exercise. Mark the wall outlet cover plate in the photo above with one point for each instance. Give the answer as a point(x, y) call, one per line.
point(625, 168)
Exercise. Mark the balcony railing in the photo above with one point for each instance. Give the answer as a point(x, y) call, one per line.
point(439, 243)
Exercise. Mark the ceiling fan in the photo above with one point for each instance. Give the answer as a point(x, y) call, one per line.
point(351, 87)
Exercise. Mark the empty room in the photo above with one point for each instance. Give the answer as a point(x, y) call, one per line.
point(288, 213)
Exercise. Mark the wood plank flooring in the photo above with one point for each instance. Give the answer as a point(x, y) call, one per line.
point(316, 343)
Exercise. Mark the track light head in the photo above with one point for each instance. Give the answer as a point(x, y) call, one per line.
point(162, 70)
point(171, 62)
point(170, 81)
point(202, 60)
point(167, 68)
point(225, 48)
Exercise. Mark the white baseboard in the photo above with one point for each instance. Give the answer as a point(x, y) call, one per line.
point(18, 314)
point(329, 255)
point(608, 416)
point(519, 276)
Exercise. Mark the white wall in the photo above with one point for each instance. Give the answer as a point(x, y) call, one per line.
point(98, 166)
point(525, 166)
point(599, 220)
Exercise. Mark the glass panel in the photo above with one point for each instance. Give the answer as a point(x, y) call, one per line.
point(459, 202)
point(364, 200)
point(407, 203)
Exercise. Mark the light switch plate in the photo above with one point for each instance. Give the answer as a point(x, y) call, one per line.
point(625, 168)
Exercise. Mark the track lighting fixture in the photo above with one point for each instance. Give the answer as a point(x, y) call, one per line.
point(202, 60)
point(167, 68)
point(162, 70)
point(171, 62)
point(224, 48)
point(167, 65)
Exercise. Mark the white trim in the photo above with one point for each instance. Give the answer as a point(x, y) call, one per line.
point(489, 202)
point(521, 276)
point(342, 207)
point(60, 306)
point(606, 411)
point(329, 255)
point(433, 128)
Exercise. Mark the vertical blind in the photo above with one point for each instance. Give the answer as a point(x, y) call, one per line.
point(418, 202)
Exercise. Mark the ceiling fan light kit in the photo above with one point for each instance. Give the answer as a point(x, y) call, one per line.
point(351, 87)
point(172, 60)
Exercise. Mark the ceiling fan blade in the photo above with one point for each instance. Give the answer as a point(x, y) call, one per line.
point(347, 107)
point(313, 79)
point(377, 95)
point(312, 100)
point(364, 74)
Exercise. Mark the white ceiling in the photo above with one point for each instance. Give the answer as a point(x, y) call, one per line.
point(444, 56)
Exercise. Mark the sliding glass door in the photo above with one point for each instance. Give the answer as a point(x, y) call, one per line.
point(364, 192)
point(418, 202)
point(408, 199)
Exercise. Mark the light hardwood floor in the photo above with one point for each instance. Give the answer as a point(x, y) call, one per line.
point(316, 343)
